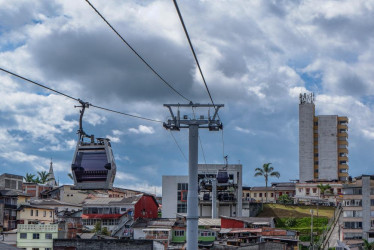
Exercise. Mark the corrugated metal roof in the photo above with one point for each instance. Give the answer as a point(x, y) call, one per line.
point(161, 223)
point(209, 222)
point(101, 201)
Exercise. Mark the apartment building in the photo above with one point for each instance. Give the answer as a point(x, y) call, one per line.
point(323, 144)
point(11, 182)
point(225, 179)
point(310, 193)
point(271, 194)
point(358, 211)
point(38, 236)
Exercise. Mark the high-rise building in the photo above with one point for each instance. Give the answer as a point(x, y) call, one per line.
point(323, 143)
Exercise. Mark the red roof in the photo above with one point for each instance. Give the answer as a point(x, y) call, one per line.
point(101, 216)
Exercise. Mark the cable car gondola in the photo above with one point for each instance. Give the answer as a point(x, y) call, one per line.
point(93, 165)
point(222, 175)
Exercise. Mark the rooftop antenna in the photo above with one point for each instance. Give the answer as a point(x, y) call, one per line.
point(193, 125)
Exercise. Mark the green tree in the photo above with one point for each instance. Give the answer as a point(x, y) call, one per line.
point(36, 180)
point(367, 245)
point(97, 228)
point(44, 177)
point(29, 177)
point(105, 231)
point(266, 171)
point(285, 199)
point(323, 188)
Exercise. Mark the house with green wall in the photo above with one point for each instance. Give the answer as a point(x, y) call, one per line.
point(40, 236)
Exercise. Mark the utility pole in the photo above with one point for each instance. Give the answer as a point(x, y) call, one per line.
point(311, 230)
point(193, 124)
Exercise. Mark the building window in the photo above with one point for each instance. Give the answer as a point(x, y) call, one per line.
point(36, 212)
point(314, 190)
point(272, 194)
point(50, 214)
point(352, 224)
point(31, 212)
point(300, 190)
point(23, 236)
point(36, 236)
point(255, 195)
point(260, 195)
point(307, 191)
point(44, 213)
point(182, 208)
point(182, 191)
point(316, 163)
point(316, 155)
point(179, 233)
point(48, 236)
point(315, 123)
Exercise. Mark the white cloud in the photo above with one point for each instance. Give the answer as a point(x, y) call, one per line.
point(244, 130)
point(144, 187)
point(126, 177)
point(142, 129)
point(117, 132)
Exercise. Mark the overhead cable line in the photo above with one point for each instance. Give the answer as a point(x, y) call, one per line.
point(40, 85)
point(180, 149)
point(193, 51)
point(198, 64)
point(136, 53)
point(77, 99)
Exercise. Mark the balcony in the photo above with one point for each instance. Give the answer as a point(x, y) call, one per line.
point(343, 150)
point(343, 158)
point(342, 126)
point(343, 142)
point(343, 134)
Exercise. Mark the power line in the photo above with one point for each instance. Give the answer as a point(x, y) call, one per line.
point(202, 149)
point(192, 49)
point(223, 145)
point(198, 64)
point(184, 156)
point(136, 53)
point(40, 85)
point(76, 99)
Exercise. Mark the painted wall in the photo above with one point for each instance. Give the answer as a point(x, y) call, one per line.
point(44, 215)
point(228, 223)
point(146, 207)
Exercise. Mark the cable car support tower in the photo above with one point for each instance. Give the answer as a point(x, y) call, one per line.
point(193, 125)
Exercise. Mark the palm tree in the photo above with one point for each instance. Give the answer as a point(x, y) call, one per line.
point(44, 177)
point(36, 180)
point(367, 245)
point(322, 188)
point(266, 171)
point(29, 177)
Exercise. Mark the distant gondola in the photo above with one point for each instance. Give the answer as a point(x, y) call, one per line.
point(93, 165)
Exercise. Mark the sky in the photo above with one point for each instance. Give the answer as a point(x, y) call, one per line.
point(256, 56)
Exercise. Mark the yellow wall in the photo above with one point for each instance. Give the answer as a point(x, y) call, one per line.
point(45, 215)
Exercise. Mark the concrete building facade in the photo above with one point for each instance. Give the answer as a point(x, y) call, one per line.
point(358, 211)
point(38, 236)
point(228, 195)
point(323, 144)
